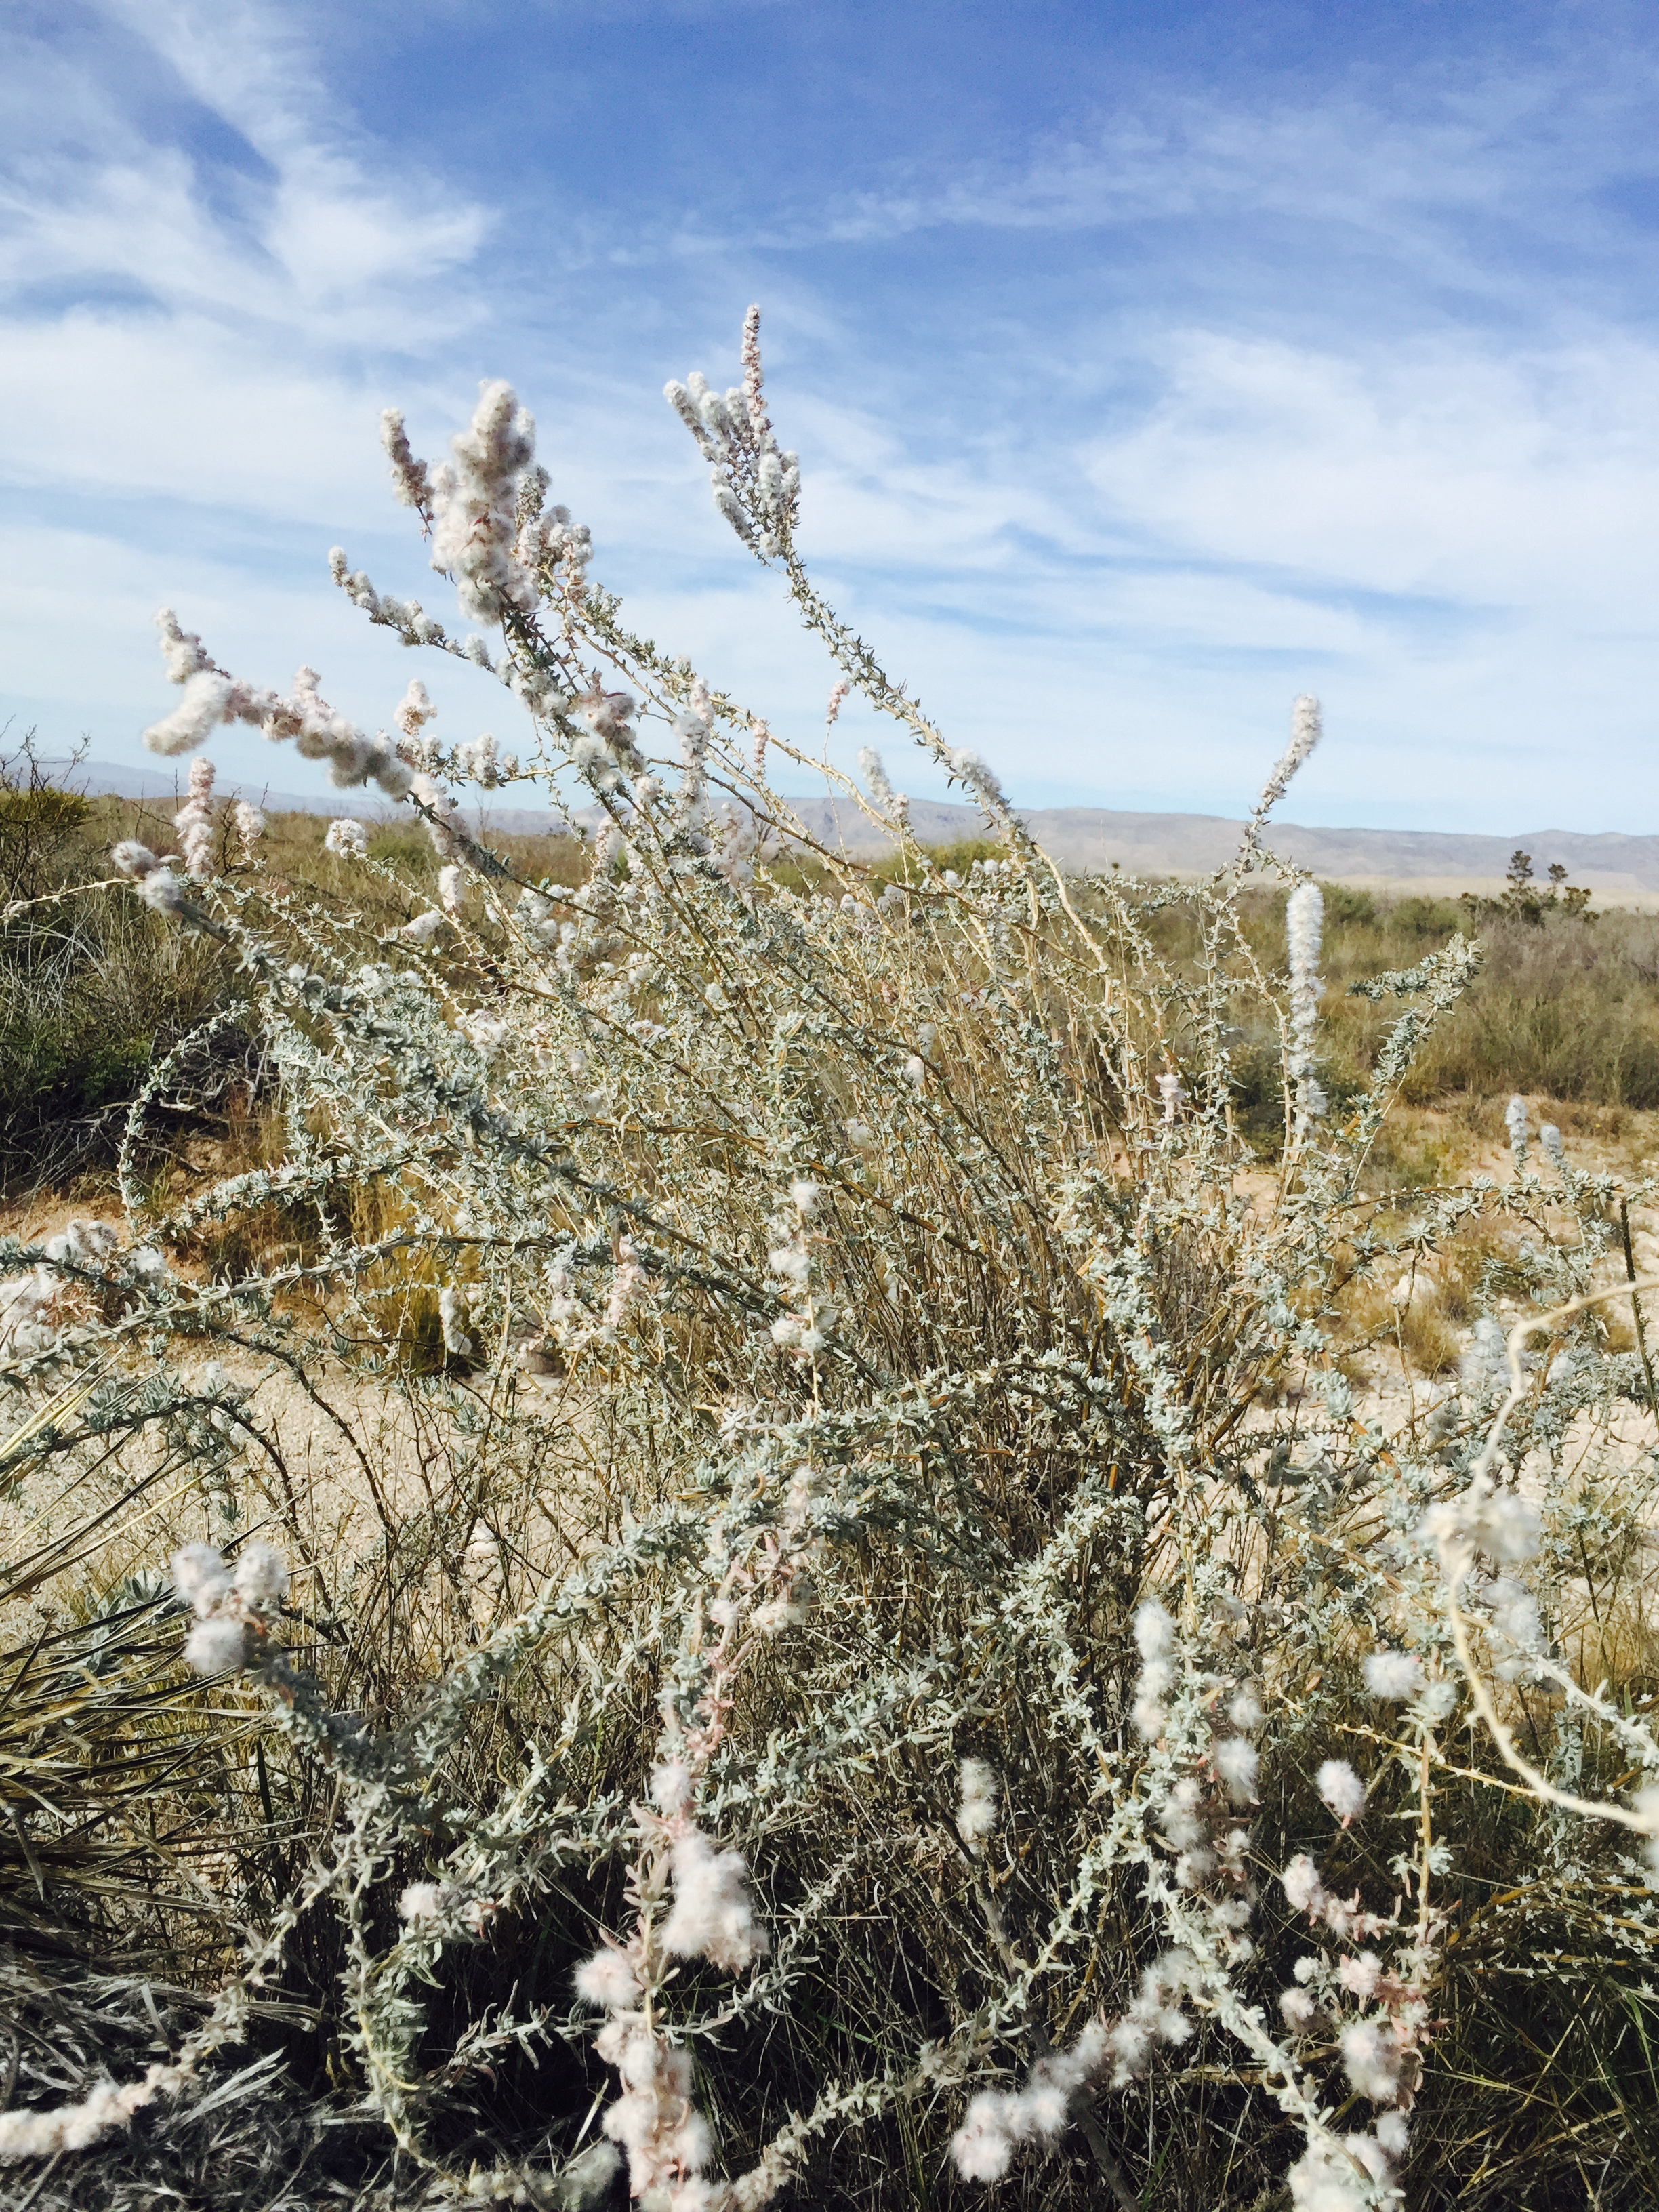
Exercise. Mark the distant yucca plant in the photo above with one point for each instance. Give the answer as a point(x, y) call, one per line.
point(884, 1654)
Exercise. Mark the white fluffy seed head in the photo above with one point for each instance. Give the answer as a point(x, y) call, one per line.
point(608, 1979)
point(1235, 1761)
point(1303, 1890)
point(1393, 1674)
point(1495, 1521)
point(1327, 2178)
point(870, 761)
point(1341, 1789)
point(1436, 1700)
point(216, 1644)
point(1371, 2058)
point(1149, 1718)
point(1360, 1975)
point(1305, 727)
point(1645, 1805)
point(1305, 924)
point(261, 1575)
point(161, 889)
point(200, 1576)
point(982, 2147)
point(132, 858)
point(670, 1785)
point(976, 1814)
point(415, 709)
point(1154, 1630)
point(1509, 1526)
point(207, 695)
point(1394, 2133)
point(452, 1313)
point(1245, 1712)
point(712, 1916)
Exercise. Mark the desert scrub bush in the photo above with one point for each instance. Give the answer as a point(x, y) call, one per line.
point(885, 1657)
point(89, 991)
point(1567, 1007)
point(93, 993)
point(1563, 1004)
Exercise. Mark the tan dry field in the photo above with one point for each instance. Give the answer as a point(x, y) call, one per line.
point(355, 1468)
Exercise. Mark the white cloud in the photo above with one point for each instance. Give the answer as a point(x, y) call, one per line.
point(1417, 172)
point(1480, 480)
point(335, 229)
point(183, 409)
point(224, 352)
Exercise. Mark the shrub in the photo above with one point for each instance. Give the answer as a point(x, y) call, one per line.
point(89, 990)
point(862, 1643)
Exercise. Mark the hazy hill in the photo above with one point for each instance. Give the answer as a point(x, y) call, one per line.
point(1188, 844)
point(1610, 863)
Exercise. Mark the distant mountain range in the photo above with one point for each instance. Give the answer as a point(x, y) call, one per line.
point(1193, 844)
point(1610, 864)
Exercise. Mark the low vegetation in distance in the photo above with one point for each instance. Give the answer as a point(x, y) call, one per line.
point(1564, 1008)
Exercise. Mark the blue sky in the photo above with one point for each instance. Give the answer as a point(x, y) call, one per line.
point(1148, 363)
